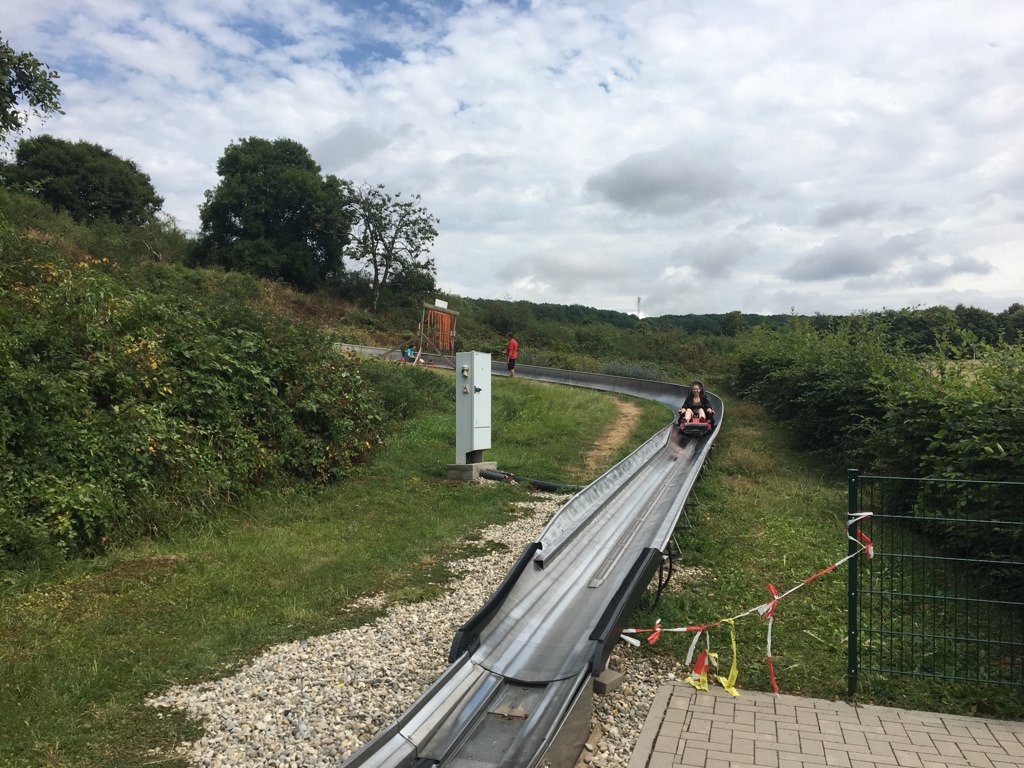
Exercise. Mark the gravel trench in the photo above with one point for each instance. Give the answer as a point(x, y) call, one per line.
point(314, 702)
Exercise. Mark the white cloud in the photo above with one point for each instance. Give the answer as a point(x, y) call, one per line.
point(826, 157)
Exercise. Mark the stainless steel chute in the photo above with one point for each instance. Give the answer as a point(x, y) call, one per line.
point(517, 693)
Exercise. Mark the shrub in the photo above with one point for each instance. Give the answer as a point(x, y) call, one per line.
point(895, 414)
point(958, 419)
point(128, 393)
point(635, 370)
point(405, 390)
point(826, 385)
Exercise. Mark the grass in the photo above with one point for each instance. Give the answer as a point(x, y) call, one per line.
point(82, 647)
point(764, 512)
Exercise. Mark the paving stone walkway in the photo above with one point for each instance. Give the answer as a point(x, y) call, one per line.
point(715, 730)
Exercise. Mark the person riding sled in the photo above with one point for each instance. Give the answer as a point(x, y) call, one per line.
point(696, 404)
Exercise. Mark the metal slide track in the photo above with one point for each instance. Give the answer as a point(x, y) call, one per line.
point(517, 693)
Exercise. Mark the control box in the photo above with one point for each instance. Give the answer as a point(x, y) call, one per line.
point(472, 406)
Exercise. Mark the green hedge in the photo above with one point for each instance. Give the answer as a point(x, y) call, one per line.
point(959, 419)
point(827, 387)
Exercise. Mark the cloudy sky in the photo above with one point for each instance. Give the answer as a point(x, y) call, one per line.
point(761, 155)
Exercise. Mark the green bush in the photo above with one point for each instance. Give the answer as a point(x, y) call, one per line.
point(825, 385)
point(131, 397)
point(159, 239)
point(848, 392)
point(954, 419)
point(966, 422)
point(635, 370)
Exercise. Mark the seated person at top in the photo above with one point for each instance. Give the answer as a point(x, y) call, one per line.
point(696, 403)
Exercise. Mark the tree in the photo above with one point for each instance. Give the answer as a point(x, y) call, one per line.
point(86, 180)
point(733, 322)
point(920, 329)
point(980, 322)
point(393, 236)
point(1011, 322)
point(27, 87)
point(410, 288)
point(274, 215)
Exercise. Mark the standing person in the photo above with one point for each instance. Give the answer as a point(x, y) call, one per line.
point(512, 352)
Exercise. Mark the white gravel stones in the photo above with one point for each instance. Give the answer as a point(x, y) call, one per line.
point(315, 701)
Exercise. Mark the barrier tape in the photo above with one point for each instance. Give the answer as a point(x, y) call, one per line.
point(655, 634)
point(770, 615)
point(771, 671)
point(868, 546)
point(693, 645)
point(698, 676)
point(859, 536)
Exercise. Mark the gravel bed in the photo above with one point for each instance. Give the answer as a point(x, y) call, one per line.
point(314, 702)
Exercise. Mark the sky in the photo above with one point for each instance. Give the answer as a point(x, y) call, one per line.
point(661, 156)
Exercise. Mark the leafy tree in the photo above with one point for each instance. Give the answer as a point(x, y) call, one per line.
point(27, 87)
point(410, 288)
point(980, 322)
point(713, 324)
point(392, 236)
point(920, 330)
point(503, 317)
point(1011, 321)
point(275, 215)
point(733, 323)
point(84, 179)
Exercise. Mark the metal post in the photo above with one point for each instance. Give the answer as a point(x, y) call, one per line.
point(851, 572)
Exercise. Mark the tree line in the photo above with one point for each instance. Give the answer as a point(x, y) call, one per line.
point(273, 214)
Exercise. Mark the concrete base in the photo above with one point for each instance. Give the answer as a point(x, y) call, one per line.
point(469, 473)
point(608, 681)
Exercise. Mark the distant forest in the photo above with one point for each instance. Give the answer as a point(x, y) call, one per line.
point(918, 328)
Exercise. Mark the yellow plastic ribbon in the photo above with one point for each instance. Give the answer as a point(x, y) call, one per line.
point(729, 683)
point(700, 683)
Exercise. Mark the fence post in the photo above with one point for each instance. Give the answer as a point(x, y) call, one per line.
point(851, 574)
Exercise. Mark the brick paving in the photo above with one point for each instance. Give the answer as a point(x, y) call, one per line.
point(714, 730)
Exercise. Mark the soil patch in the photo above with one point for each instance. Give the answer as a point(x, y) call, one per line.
point(616, 434)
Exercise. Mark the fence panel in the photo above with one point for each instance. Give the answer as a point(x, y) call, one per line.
point(943, 596)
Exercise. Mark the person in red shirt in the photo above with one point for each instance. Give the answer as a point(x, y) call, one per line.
point(512, 352)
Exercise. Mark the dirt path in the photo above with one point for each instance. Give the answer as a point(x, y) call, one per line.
point(614, 436)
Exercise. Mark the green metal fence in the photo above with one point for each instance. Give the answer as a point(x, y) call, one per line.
point(943, 596)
